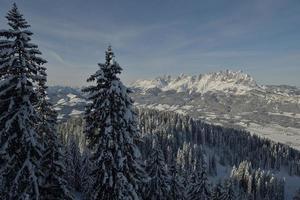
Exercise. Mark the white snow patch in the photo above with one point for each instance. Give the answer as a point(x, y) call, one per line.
point(286, 114)
point(275, 132)
point(60, 116)
point(61, 101)
point(71, 95)
point(57, 108)
point(76, 112)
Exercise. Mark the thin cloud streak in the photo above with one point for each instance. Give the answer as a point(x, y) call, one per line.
point(151, 38)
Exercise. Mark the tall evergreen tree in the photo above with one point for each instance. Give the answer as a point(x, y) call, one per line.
point(21, 147)
point(228, 193)
point(199, 187)
point(297, 195)
point(212, 165)
point(158, 187)
point(112, 134)
point(85, 172)
point(73, 162)
point(176, 187)
point(217, 192)
point(54, 185)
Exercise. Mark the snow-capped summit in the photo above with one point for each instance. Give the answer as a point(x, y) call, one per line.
point(229, 81)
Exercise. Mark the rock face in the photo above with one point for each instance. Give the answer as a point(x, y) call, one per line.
point(231, 99)
point(228, 81)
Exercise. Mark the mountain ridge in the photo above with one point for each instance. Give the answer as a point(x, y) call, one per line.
point(223, 80)
point(230, 99)
point(215, 81)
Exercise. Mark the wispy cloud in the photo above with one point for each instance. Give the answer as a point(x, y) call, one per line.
point(57, 57)
point(156, 37)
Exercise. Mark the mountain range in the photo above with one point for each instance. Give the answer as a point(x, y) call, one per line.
point(226, 98)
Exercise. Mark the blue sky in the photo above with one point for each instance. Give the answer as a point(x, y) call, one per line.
point(157, 37)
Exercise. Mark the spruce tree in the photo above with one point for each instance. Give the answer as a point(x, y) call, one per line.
point(297, 195)
point(176, 187)
point(228, 192)
point(112, 135)
point(73, 162)
point(216, 193)
point(85, 172)
point(21, 147)
point(54, 185)
point(199, 187)
point(212, 167)
point(158, 187)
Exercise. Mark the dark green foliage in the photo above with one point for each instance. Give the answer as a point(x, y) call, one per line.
point(177, 189)
point(54, 186)
point(217, 192)
point(111, 133)
point(158, 185)
point(21, 147)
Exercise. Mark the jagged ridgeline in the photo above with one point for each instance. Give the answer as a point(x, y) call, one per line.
point(177, 134)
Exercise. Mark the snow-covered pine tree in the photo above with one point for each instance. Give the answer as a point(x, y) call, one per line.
point(176, 187)
point(217, 192)
point(54, 186)
point(242, 174)
point(212, 165)
point(112, 135)
point(158, 187)
point(199, 187)
point(73, 163)
point(21, 147)
point(85, 172)
point(228, 191)
point(297, 195)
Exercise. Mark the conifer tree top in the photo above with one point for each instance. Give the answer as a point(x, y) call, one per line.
point(109, 55)
point(15, 18)
point(17, 50)
point(111, 67)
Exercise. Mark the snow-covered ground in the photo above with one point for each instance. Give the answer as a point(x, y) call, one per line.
point(286, 114)
point(76, 112)
point(292, 183)
point(275, 132)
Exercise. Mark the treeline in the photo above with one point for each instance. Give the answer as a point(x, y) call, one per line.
point(180, 153)
point(178, 134)
point(258, 184)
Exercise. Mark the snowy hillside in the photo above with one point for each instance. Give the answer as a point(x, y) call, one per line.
point(67, 101)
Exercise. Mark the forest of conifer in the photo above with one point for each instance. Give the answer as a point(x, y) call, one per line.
point(116, 151)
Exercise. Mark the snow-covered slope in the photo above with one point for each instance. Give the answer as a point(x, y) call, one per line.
point(67, 101)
